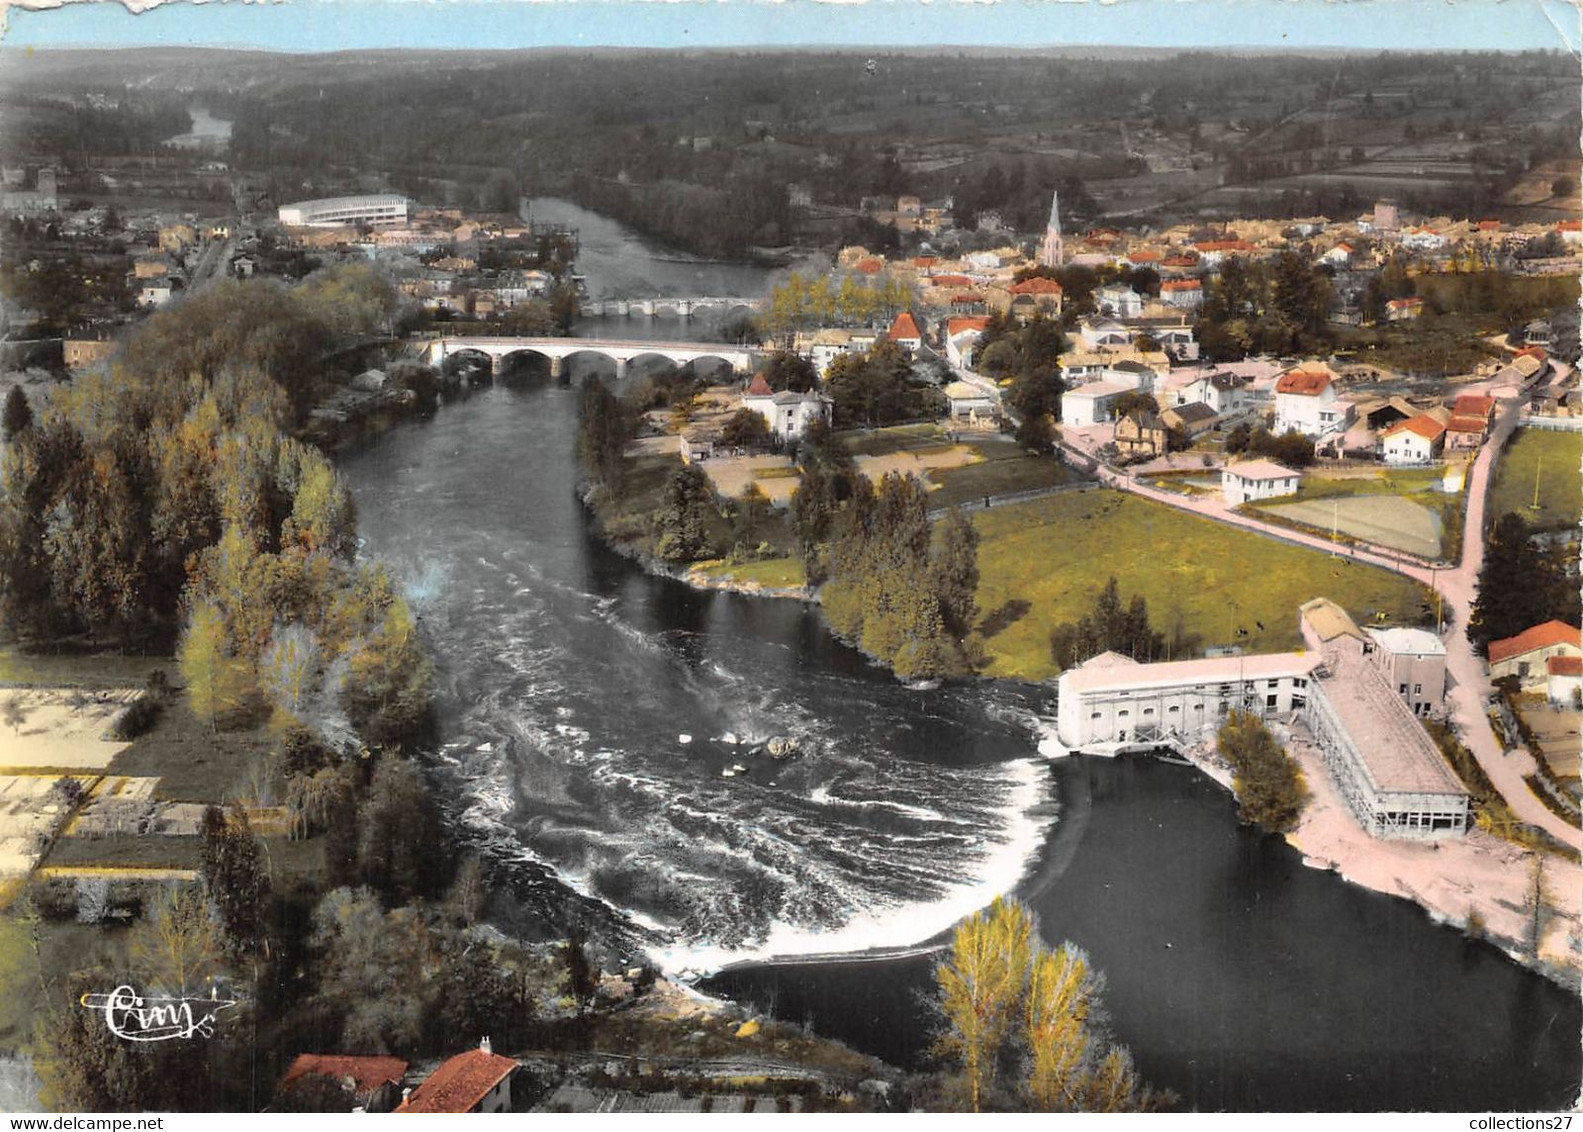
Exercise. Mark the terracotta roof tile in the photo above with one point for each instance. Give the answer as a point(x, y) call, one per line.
point(1422, 425)
point(1538, 637)
point(1304, 383)
point(459, 1083)
point(1038, 285)
point(758, 387)
point(903, 326)
point(367, 1073)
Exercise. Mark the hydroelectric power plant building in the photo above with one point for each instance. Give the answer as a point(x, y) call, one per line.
point(1383, 762)
point(334, 212)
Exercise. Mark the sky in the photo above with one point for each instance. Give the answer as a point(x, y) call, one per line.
point(326, 25)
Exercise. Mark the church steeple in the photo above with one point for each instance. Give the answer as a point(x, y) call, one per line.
point(1052, 253)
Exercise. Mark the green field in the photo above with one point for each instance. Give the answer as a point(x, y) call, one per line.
point(1420, 486)
point(1004, 470)
point(1555, 457)
point(1054, 554)
point(897, 438)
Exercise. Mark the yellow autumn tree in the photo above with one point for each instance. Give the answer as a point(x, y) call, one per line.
point(219, 683)
point(1003, 993)
point(177, 944)
point(980, 987)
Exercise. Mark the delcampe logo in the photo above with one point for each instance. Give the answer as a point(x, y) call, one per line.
point(156, 1018)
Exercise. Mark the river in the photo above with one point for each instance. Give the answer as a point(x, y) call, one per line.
point(207, 131)
point(588, 710)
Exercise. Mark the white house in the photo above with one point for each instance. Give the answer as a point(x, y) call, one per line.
point(1103, 334)
point(1187, 293)
point(1252, 480)
point(1306, 401)
point(961, 340)
point(1338, 256)
point(154, 293)
point(1423, 239)
point(1118, 301)
point(1417, 440)
point(1090, 404)
point(787, 414)
point(1222, 392)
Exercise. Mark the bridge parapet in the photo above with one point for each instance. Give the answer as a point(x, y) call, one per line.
point(557, 350)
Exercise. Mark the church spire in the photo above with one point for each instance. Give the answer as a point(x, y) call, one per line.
point(1052, 253)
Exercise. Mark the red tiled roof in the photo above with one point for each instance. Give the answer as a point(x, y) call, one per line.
point(925, 260)
point(1570, 226)
point(1539, 637)
point(1422, 425)
point(758, 387)
point(967, 297)
point(1473, 405)
point(1038, 285)
point(1533, 352)
point(1181, 285)
point(955, 326)
point(1144, 257)
point(903, 326)
point(870, 266)
point(1565, 665)
point(460, 1083)
point(1488, 225)
point(1304, 383)
point(950, 281)
point(1180, 261)
point(367, 1073)
point(1467, 424)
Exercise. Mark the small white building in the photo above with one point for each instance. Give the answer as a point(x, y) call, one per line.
point(1116, 301)
point(155, 292)
point(1186, 293)
point(971, 404)
point(1417, 440)
point(1090, 404)
point(1306, 401)
point(1253, 480)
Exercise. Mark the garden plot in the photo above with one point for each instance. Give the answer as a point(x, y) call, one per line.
point(60, 728)
point(1385, 520)
point(30, 811)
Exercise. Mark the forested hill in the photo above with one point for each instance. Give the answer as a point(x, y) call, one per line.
point(700, 146)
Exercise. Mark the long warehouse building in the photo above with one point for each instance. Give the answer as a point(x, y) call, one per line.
point(1384, 763)
point(335, 212)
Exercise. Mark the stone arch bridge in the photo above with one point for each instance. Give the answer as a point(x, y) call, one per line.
point(557, 350)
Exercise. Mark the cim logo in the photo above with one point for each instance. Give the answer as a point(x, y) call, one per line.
point(155, 1018)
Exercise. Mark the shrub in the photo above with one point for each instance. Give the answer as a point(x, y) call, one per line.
point(141, 715)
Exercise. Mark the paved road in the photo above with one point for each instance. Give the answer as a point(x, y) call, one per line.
point(1458, 585)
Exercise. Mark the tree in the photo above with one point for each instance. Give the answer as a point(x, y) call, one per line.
point(1266, 780)
point(12, 713)
point(745, 429)
point(1001, 991)
point(1536, 905)
point(784, 370)
point(389, 682)
point(582, 975)
point(1107, 627)
point(236, 877)
point(289, 666)
point(399, 848)
point(18, 414)
point(681, 523)
point(177, 943)
point(219, 685)
point(980, 987)
point(1517, 587)
point(1562, 186)
point(953, 569)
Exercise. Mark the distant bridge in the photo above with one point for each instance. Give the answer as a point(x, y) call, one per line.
point(655, 308)
point(557, 350)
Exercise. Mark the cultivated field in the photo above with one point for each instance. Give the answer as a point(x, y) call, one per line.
point(1041, 563)
point(1386, 520)
point(61, 728)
